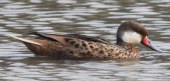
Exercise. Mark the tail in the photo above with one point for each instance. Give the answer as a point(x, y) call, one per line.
point(25, 40)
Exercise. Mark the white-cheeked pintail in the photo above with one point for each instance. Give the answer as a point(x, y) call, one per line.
point(74, 46)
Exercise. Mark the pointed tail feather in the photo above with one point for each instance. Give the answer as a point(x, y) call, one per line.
point(44, 36)
point(24, 40)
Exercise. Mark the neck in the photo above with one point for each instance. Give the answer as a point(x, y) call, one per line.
point(119, 41)
point(131, 49)
point(126, 45)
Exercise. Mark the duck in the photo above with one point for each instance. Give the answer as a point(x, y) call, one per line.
point(75, 46)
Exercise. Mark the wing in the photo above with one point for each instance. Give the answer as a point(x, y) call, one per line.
point(60, 38)
point(89, 38)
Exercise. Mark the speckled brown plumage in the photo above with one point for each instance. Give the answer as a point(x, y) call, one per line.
point(74, 46)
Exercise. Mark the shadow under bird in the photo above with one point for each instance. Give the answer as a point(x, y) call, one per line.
point(74, 46)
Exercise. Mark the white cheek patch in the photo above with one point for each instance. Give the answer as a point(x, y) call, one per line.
point(131, 37)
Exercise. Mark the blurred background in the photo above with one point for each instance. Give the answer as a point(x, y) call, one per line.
point(87, 17)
